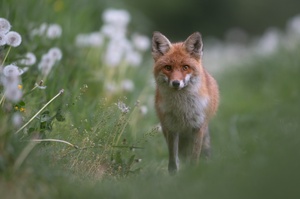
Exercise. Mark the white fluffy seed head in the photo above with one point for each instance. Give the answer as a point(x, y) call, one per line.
point(29, 59)
point(4, 26)
point(54, 31)
point(13, 39)
point(55, 53)
point(12, 71)
point(2, 39)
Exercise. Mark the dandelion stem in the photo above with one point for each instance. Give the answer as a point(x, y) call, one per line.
point(6, 56)
point(23, 155)
point(54, 140)
point(60, 92)
point(2, 100)
point(35, 86)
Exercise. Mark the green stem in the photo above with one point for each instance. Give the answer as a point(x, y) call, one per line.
point(6, 56)
point(2, 99)
point(54, 140)
point(23, 155)
point(60, 92)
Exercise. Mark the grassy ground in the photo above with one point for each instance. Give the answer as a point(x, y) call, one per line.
point(255, 138)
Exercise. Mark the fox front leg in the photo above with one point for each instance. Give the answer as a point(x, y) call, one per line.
point(199, 143)
point(173, 142)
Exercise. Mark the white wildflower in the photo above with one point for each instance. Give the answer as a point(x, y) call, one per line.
point(29, 59)
point(12, 71)
point(40, 30)
point(158, 127)
point(11, 81)
point(2, 39)
point(116, 17)
point(293, 25)
point(13, 93)
point(4, 26)
point(55, 53)
point(82, 40)
point(54, 31)
point(143, 110)
point(111, 87)
point(40, 87)
point(13, 39)
point(140, 42)
point(95, 39)
point(122, 106)
point(113, 32)
point(127, 85)
point(114, 54)
point(17, 120)
point(269, 42)
point(133, 58)
point(46, 64)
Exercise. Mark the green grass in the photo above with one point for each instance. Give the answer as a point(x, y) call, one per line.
point(255, 135)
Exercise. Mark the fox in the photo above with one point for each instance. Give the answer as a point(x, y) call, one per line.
point(186, 98)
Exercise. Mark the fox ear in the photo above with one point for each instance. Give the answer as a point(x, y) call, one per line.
point(160, 45)
point(194, 45)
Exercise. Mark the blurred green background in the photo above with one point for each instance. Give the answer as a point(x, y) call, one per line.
point(175, 18)
point(214, 18)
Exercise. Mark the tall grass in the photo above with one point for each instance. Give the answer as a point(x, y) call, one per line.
point(91, 142)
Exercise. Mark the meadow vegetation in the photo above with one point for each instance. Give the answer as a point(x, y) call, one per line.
point(82, 123)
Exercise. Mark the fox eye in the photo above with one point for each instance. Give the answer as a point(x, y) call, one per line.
point(168, 68)
point(185, 67)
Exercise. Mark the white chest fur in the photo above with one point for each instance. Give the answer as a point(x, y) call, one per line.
point(182, 110)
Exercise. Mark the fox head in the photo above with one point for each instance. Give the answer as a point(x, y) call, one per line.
point(177, 65)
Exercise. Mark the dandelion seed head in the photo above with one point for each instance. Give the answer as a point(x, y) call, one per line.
point(293, 25)
point(113, 32)
point(47, 59)
point(133, 58)
point(55, 53)
point(40, 86)
point(111, 87)
point(127, 85)
point(116, 17)
point(17, 120)
point(2, 39)
point(13, 39)
point(269, 42)
point(46, 64)
point(114, 54)
point(95, 39)
point(45, 68)
point(140, 42)
point(82, 40)
point(122, 106)
point(29, 59)
point(11, 88)
point(158, 127)
point(54, 31)
point(40, 30)
point(12, 71)
point(143, 110)
point(4, 25)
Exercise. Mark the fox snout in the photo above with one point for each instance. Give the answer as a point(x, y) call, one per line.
point(177, 84)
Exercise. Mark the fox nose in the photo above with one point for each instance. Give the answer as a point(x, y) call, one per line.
point(176, 83)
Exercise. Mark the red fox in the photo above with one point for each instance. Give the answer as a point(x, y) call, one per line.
point(187, 97)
